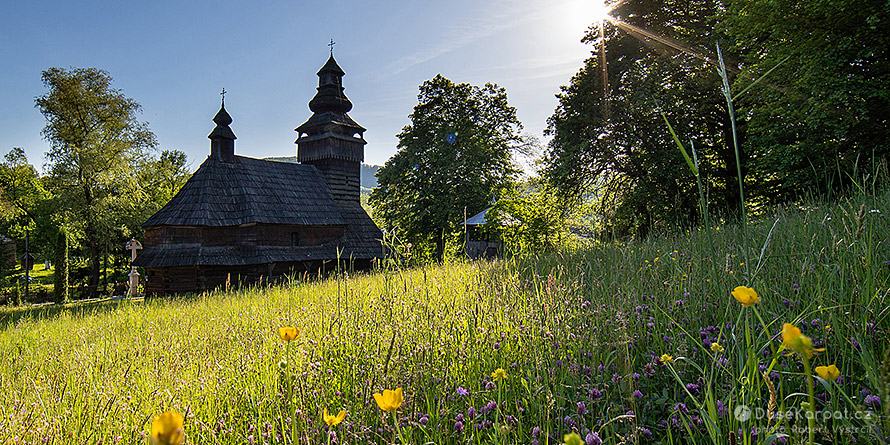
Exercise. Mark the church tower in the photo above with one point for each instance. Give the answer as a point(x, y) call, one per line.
point(330, 140)
point(222, 138)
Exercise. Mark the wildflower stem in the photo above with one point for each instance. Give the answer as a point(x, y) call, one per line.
point(765, 330)
point(290, 398)
point(811, 419)
point(749, 344)
point(395, 421)
point(497, 412)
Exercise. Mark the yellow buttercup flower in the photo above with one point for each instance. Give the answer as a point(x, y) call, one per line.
point(715, 347)
point(666, 358)
point(572, 439)
point(389, 400)
point(829, 372)
point(499, 374)
point(333, 420)
point(745, 295)
point(288, 333)
point(166, 429)
point(797, 342)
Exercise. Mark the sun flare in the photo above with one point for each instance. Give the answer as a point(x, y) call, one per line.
point(597, 11)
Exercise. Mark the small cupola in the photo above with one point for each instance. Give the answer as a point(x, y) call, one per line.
point(222, 138)
point(330, 95)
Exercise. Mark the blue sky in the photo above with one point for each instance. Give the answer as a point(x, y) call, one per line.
point(173, 57)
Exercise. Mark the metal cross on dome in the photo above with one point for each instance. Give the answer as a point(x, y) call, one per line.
point(223, 94)
point(332, 46)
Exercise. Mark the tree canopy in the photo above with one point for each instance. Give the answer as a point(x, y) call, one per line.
point(452, 159)
point(817, 114)
point(102, 177)
point(610, 139)
point(25, 203)
point(820, 120)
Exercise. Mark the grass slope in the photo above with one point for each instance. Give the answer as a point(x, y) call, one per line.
point(580, 335)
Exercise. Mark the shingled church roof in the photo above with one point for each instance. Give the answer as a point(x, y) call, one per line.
point(250, 190)
point(318, 197)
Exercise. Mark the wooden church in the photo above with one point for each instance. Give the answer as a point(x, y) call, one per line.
point(238, 219)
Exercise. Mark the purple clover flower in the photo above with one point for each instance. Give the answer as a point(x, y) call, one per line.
point(582, 409)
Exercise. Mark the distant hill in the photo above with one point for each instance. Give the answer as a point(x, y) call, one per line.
point(368, 175)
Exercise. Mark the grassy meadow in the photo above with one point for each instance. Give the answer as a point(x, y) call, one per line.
point(615, 342)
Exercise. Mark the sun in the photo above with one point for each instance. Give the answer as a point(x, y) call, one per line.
point(585, 14)
point(597, 11)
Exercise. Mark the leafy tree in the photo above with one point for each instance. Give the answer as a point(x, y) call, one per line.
point(820, 118)
point(454, 156)
point(609, 139)
point(161, 178)
point(25, 204)
point(96, 145)
point(528, 219)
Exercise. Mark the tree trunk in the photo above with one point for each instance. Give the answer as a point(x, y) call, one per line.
point(440, 246)
point(93, 288)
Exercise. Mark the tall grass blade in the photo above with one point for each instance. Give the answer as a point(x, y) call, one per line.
point(689, 162)
point(756, 81)
point(735, 141)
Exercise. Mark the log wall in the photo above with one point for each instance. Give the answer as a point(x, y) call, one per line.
point(249, 235)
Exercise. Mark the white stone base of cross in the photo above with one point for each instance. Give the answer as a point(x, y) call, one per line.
point(134, 283)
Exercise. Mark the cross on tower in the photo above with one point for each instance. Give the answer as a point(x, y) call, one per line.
point(223, 94)
point(332, 46)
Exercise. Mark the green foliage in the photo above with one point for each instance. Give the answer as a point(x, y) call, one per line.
point(426, 187)
point(528, 219)
point(611, 144)
point(158, 179)
point(819, 121)
point(60, 281)
point(816, 122)
point(104, 180)
point(17, 293)
point(25, 203)
point(96, 143)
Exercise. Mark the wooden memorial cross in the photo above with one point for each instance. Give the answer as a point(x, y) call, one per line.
point(133, 245)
